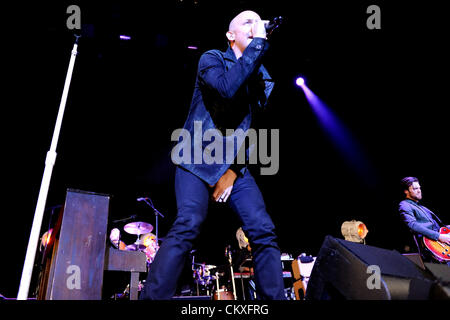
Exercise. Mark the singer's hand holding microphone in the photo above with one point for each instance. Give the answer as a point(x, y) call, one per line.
point(259, 29)
point(264, 28)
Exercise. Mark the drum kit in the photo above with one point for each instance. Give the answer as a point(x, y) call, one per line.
point(146, 240)
point(206, 278)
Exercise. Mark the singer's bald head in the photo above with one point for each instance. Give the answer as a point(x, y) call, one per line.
point(240, 32)
point(241, 18)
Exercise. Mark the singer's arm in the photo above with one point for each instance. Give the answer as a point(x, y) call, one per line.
point(213, 74)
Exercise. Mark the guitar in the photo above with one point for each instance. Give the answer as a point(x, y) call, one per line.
point(440, 250)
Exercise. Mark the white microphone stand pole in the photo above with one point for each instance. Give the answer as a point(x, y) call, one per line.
point(40, 206)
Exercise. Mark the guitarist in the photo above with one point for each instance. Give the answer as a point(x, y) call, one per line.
point(420, 220)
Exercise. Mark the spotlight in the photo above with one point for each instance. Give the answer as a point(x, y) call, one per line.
point(300, 81)
point(354, 231)
point(45, 239)
point(124, 37)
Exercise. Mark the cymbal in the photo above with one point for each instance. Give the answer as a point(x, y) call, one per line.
point(138, 227)
point(209, 266)
point(220, 268)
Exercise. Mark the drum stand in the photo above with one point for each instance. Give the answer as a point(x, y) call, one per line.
point(217, 286)
point(195, 272)
point(228, 254)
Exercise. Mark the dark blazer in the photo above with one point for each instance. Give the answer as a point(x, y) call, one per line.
point(420, 220)
point(227, 91)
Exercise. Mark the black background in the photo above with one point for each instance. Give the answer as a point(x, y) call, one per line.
point(389, 87)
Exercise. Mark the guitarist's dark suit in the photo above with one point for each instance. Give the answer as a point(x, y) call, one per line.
point(421, 222)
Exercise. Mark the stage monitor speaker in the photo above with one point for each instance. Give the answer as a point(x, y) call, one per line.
point(441, 273)
point(416, 258)
point(352, 271)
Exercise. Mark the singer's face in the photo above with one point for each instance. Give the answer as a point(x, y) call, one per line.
point(241, 27)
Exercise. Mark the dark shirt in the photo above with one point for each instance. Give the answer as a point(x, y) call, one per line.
point(227, 91)
point(420, 220)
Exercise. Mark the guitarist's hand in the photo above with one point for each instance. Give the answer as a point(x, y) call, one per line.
point(224, 186)
point(445, 238)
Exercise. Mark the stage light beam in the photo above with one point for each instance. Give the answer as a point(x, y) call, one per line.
point(340, 135)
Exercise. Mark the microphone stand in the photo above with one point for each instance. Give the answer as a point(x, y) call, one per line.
point(228, 255)
point(194, 272)
point(43, 192)
point(125, 219)
point(157, 213)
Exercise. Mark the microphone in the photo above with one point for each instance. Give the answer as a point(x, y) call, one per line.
point(273, 24)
